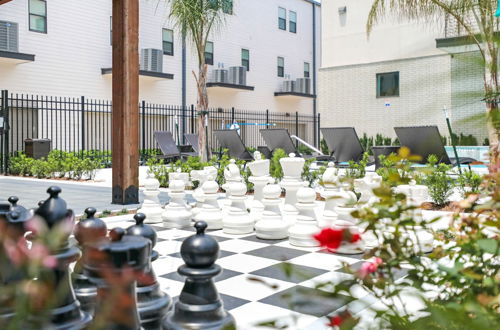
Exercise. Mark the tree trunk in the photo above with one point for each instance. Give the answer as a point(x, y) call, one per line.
point(202, 111)
point(491, 92)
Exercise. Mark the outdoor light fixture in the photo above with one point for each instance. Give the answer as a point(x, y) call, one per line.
point(446, 115)
point(342, 10)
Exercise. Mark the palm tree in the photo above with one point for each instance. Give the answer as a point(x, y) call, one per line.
point(196, 19)
point(475, 17)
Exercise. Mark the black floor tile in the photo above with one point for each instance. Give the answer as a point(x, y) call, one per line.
point(277, 253)
point(222, 254)
point(290, 273)
point(226, 273)
point(229, 302)
point(307, 301)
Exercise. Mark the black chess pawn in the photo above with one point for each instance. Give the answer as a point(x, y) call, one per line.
point(66, 312)
point(87, 231)
point(153, 304)
point(199, 305)
point(13, 219)
point(113, 266)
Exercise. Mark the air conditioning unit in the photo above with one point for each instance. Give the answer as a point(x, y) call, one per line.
point(288, 86)
point(219, 76)
point(9, 36)
point(303, 85)
point(238, 75)
point(152, 60)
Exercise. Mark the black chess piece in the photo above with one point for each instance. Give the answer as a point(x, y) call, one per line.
point(66, 312)
point(199, 305)
point(153, 304)
point(87, 231)
point(113, 266)
point(13, 219)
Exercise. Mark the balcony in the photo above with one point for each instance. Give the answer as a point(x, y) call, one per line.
point(228, 86)
point(15, 57)
point(143, 73)
point(294, 95)
point(456, 38)
point(295, 89)
point(233, 80)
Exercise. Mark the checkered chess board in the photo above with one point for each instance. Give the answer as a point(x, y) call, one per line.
point(292, 299)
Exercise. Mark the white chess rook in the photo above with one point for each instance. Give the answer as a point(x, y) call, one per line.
point(151, 206)
point(260, 178)
point(302, 232)
point(177, 213)
point(331, 194)
point(271, 225)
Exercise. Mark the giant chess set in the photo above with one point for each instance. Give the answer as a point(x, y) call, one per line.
point(217, 263)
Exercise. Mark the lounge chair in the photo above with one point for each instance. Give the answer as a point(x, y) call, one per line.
point(229, 139)
point(344, 144)
point(192, 140)
point(168, 146)
point(279, 138)
point(425, 141)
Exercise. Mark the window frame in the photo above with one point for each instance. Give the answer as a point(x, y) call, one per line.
point(243, 59)
point(308, 71)
point(282, 73)
point(290, 21)
point(164, 41)
point(45, 17)
point(211, 62)
point(229, 9)
point(377, 85)
point(281, 19)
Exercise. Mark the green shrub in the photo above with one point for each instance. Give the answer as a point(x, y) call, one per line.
point(469, 182)
point(357, 170)
point(437, 180)
point(324, 147)
point(275, 167)
point(304, 150)
point(41, 169)
point(20, 164)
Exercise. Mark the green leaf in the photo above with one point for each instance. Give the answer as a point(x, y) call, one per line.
point(488, 245)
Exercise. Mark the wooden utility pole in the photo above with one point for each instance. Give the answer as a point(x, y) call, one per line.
point(125, 122)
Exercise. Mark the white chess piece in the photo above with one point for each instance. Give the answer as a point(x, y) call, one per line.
point(237, 221)
point(366, 185)
point(271, 225)
point(346, 205)
point(201, 176)
point(210, 212)
point(331, 193)
point(302, 232)
point(231, 174)
point(177, 213)
point(260, 178)
point(292, 181)
point(415, 194)
point(151, 206)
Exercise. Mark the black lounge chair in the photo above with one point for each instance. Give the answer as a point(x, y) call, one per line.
point(168, 146)
point(279, 138)
point(192, 140)
point(425, 141)
point(229, 139)
point(344, 144)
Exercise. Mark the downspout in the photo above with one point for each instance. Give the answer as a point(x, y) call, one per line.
point(314, 74)
point(184, 101)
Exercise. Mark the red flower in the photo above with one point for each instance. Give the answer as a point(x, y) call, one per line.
point(355, 237)
point(330, 238)
point(335, 321)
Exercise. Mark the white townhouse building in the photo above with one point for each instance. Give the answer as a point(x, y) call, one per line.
point(403, 74)
point(63, 48)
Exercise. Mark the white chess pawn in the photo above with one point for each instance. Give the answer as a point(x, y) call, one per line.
point(331, 193)
point(237, 221)
point(151, 206)
point(260, 178)
point(210, 212)
point(271, 225)
point(347, 204)
point(177, 213)
point(292, 181)
point(302, 231)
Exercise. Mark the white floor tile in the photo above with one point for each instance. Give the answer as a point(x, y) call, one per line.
point(288, 245)
point(242, 287)
point(318, 260)
point(168, 247)
point(245, 263)
point(240, 246)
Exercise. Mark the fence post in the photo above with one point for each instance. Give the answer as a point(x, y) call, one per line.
point(4, 165)
point(267, 118)
point(82, 118)
point(318, 138)
point(232, 115)
point(183, 131)
point(143, 124)
point(296, 128)
point(192, 118)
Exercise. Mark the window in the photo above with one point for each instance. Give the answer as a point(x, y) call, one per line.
point(227, 6)
point(293, 21)
point(307, 73)
point(245, 58)
point(209, 53)
point(168, 42)
point(281, 67)
point(38, 15)
point(387, 84)
point(282, 18)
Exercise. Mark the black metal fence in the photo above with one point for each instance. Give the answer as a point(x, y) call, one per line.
point(84, 124)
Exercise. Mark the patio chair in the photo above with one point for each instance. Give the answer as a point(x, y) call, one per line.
point(425, 141)
point(192, 140)
point(229, 139)
point(168, 146)
point(344, 144)
point(279, 138)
